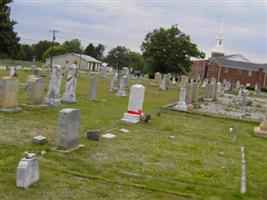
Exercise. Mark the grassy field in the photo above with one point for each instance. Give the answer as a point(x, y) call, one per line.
point(199, 162)
point(10, 62)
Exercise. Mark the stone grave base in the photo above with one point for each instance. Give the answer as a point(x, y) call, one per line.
point(132, 118)
point(121, 94)
point(11, 110)
point(52, 102)
point(67, 101)
point(154, 84)
point(259, 132)
point(34, 107)
point(69, 150)
point(181, 106)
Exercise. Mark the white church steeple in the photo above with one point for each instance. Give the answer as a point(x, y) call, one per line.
point(219, 41)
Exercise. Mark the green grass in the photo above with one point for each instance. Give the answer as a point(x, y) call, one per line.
point(200, 162)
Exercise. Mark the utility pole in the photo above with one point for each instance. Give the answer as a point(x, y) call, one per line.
point(53, 40)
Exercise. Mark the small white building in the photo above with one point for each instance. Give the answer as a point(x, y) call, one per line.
point(84, 62)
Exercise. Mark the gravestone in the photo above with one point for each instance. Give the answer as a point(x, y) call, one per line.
point(9, 94)
point(114, 81)
point(204, 83)
point(53, 96)
point(213, 90)
point(181, 105)
point(68, 129)
point(157, 78)
point(244, 97)
point(92, 88)
point(103, 71)
point(69, 95)
point(220, 90)
point(135, 105)
point(189, 93)
point(123, 82)
point(261, 130)
point(27, 171)
point(12, 72)
point(163, 84)
point(237, 85)
point(184, 81)
point(35, 92)
point(228, 86)
point(195, 90)
point(173, 80)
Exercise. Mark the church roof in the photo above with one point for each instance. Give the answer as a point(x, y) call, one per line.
point(237, 61)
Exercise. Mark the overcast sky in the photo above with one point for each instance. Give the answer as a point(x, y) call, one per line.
point(126, 23)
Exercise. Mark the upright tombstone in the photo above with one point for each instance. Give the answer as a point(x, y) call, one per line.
point(27, 171)
point(220, 90)
point(244, 97)
point(195, 90)
point(68, 129)
point(189, 93)
point(209, 92)
point(157, 78)
point(103, 71)
point(213, 90)
point(135, 105)
point(113, 80)
point(92, 88)
point(69, 95)
point(228, 85)
point(261, 130)
point(184, 81)
point(204, 83)
point(181, 105)
point(163, 84)
point(123, 82)
point(35, 92)
point(9, 94)
point(53, 96)
point(173, 80)
point(237, 85)
point(12, 72)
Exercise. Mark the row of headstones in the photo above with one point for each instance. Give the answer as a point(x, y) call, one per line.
point(35, 87)
point(119, 82)
point(68, 137)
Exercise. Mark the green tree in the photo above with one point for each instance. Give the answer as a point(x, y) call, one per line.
point(41, 47)
point(27, 52)
point(95, 51)
point(57, 50)
point(9, 41)
point(169, 51)
point(118, 57)
point(136, 61)
point(73, 46)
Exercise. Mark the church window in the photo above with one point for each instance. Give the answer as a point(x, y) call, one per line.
point(249, 73)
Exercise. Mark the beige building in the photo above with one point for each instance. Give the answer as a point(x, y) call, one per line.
point(84, 62)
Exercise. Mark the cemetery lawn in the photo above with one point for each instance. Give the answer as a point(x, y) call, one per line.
point(198, 161)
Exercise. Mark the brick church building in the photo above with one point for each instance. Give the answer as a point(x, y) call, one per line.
point(232, 68)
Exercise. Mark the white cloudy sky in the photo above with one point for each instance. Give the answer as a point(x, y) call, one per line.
point(126, 23)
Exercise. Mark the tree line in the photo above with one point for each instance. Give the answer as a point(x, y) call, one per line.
point(165, 50)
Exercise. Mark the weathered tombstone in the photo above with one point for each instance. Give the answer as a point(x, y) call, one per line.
point(92, 88)
point(9, 94)
point(220, 90)
point(181, 105)
point(213, 90)
point(204, 83)
point(173, 80)
point(244, 97)
point(68, 129)
point(135, 105)
point(257, 89)
point(163, 84)
point(189, 93)
point(123, 82)
point(12, 72)
point(195, 92)
point(113, 80)
point(228, 86)
point(69, 95)
point(184, 81)
point(261, 130)
point(35, 92)
point(53, 96)
point(210, 91)
point(103, 71)
point(27, 171)
point(237, 85)
point(213, 80)
point(157, 78)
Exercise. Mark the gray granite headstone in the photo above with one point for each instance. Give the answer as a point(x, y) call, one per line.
point(68, 129)
point(69, 95)
point(92, 88)
point(27, 171)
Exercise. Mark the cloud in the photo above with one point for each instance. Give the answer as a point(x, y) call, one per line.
point(127, 22)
